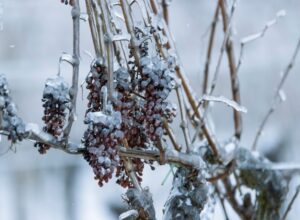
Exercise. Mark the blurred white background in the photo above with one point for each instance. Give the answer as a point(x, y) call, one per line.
point(59, 186)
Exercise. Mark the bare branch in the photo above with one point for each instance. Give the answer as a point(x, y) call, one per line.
point(129, 25)
point(233, 74)
point(222, 50)
point(93, 28)
point(222, 203)
point(277, 99)
point(76, 55)
point(183, 123)
point(209, 50)
point(129, 213)
point(175, 157)
point(165, 5)
point(109, 45)
point(36, 135)
point(171, 135)
point(288, 209)
point(130, 169)
point(260, 34)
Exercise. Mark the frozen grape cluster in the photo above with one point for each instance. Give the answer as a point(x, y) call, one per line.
point(11, 122)
point(56, 103)
point(132, 124)
point(139, 98)
point(95, 80)
point(155, 82)
point(131, 110)
point(108, 126)
point(101, 141)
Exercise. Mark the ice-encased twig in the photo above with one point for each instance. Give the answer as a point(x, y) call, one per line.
point(229, 102)
point(75, 75)
point(277, 99)
point(258, 35)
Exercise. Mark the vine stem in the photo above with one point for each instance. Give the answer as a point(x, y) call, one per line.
point(109, 45)
point(235, 88)
point(209, 50)
point(76, 54)
point(183, 124)
point(130, 169)
point(165, 6)
point(93, 28)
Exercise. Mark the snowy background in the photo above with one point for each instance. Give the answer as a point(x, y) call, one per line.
point(59, 186)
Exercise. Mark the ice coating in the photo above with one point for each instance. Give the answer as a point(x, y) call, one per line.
point(57, 88)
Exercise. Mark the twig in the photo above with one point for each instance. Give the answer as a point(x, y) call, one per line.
point(129, 25)
point(93, 28)
point(168, 174)
point(288, 209)
point(277, 98)
point(109, 45)
point(222, 99)
point(118, 46)
point(130, 169)
point(231, 199)
point(233, 74)
point(36, 135)
point(130, 213)
point(221, 176)
point(183, 123)
point(171, 135)
point(131, 173)
point(165, 6)
point(188, 160)
point(76, 55)
point(223, 47)
point(100, 29)
point(209, 50)
point(222, 202)
point(260, 34)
